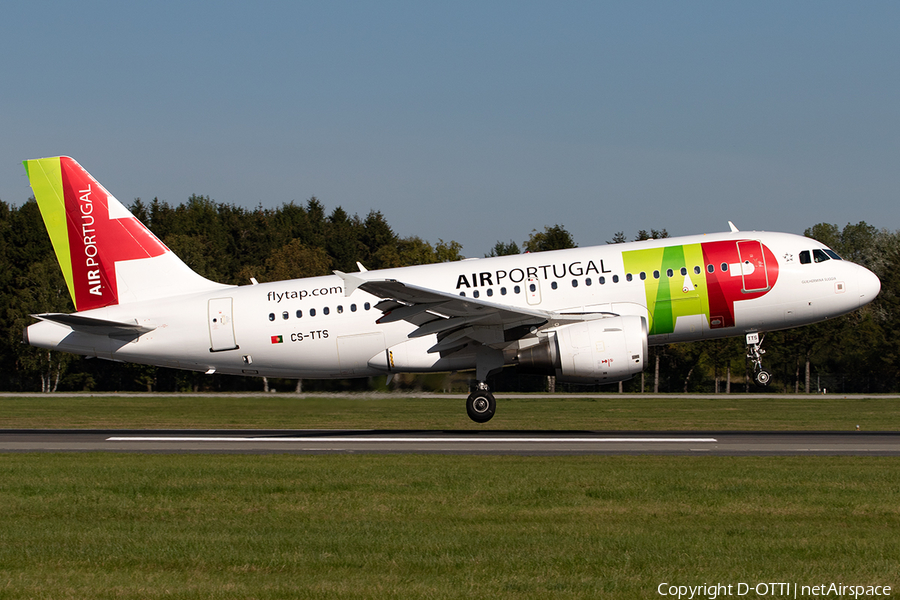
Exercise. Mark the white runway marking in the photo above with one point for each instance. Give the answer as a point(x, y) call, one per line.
point(443, 440)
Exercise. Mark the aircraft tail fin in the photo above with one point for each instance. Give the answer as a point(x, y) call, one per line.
point(106, 255)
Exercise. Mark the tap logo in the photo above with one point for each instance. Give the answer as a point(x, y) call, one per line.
point(90, 229)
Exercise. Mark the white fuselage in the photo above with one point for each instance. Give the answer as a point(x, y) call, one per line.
point(309, 328)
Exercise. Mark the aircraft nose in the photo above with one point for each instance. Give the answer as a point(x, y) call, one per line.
point(869, 286)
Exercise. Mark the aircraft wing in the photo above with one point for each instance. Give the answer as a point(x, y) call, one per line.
point(455, 319)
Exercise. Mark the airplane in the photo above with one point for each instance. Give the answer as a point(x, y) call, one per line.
point(585, 315)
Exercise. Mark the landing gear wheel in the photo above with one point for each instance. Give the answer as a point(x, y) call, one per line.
point(480, 405)
point(762, 378)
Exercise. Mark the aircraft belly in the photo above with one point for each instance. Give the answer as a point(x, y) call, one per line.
point(800, 313)
point(757, 315)
point(355, 350)
point(688, 327)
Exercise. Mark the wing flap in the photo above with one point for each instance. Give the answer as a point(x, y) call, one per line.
point(408, 311)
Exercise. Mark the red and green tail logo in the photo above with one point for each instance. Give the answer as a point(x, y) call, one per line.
point(91, 231)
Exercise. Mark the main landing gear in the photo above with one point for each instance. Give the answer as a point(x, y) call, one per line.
point(480, 405)
point(754, 353)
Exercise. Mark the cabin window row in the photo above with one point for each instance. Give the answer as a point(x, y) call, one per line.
point(326, 310)
point(602, 280)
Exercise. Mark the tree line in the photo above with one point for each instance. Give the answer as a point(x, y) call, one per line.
point(855, 353)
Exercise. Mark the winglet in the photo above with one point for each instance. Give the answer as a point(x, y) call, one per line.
point(351, 282)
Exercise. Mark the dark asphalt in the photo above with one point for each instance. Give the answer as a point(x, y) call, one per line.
point(724, 443)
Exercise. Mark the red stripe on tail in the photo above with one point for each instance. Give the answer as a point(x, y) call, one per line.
point(96, 241)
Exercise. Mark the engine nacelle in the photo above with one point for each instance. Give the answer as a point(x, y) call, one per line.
point(601, 351)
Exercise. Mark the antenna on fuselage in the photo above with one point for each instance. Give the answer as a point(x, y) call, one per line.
point(733, 228)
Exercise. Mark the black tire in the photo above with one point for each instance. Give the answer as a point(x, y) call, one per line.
point(481, 406)
point(762, 378)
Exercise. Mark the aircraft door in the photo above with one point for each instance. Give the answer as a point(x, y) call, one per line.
point(533, 290)
point(221, 326)
point(754, 276)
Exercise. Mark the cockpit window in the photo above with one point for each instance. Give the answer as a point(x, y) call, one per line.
point(820, 256)
point(805, 258)
point(832, 254)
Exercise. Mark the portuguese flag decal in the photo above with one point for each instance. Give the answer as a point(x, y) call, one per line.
point(277, 339)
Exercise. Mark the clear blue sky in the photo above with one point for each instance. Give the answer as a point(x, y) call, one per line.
point(475, 122)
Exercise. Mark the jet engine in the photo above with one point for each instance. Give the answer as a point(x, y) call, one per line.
point(600, 351)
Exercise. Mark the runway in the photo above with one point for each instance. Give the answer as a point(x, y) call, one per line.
point(724, 443)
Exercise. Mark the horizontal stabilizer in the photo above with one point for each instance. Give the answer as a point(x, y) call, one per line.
point(92, 326)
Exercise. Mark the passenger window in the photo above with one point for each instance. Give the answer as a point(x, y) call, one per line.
point(588, 281)
point(696, 270)
point(683, 271)
point(271, 316)
point(669, 272)
point(326, 310)
point(643, 276)
point(602, 280)
point(574, 283)
point(490, 292)
point(312, 312)
point(476, 294)
point(552, 285)
point(367, 306)
point(724, 267)
point(819, 256)
point(615, 279)
point(710, 268)
point(503, 291)
point(340, 309)
point(352, 308)
point(463, 294)
point(532, 287)
point(804, 258)
point(655, 274)
point(628, 277)
point(517, 289)
point(299, 313)
point(285, 315)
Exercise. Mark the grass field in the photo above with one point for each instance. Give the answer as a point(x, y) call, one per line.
point(428, 526)
point(227, 526)
point(596, 412)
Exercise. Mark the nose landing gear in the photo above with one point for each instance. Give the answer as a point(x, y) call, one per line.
point(754, 353)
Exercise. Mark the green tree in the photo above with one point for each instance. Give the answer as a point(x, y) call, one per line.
point(654, 234)
point(416, 251)
point(296, 260)
point(199, 254)
point(551, 238)
point(343, 239)
point(503, 249)
point(40, 289)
